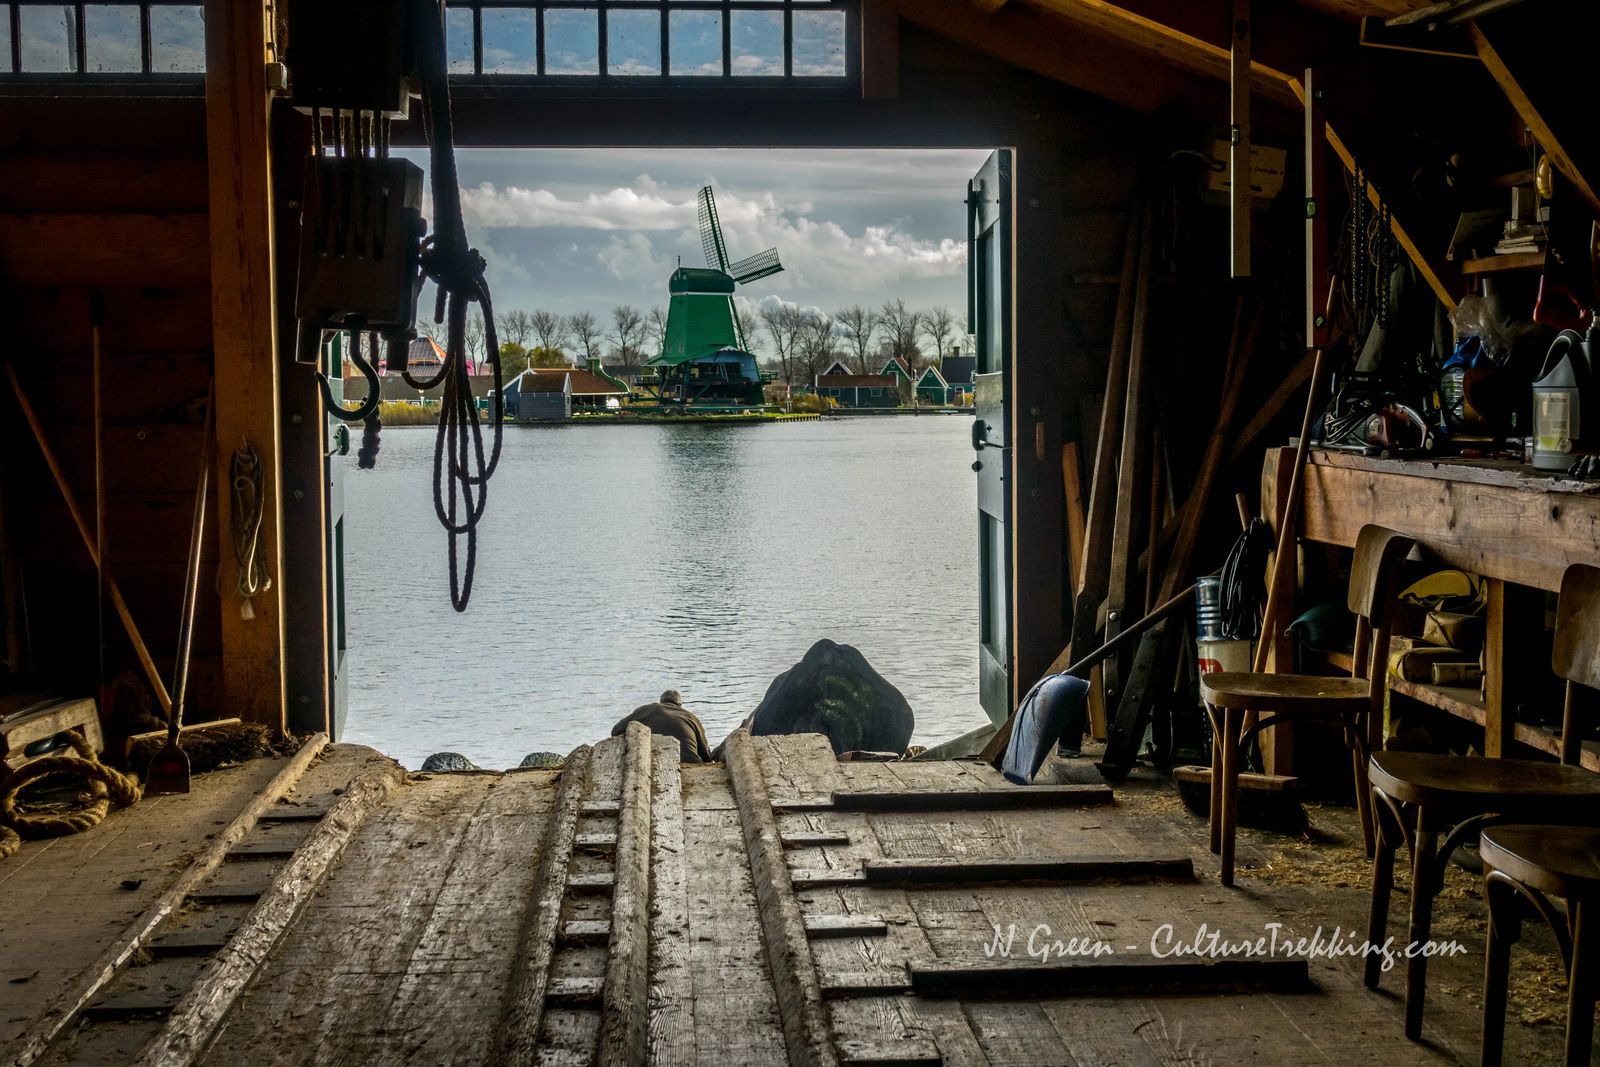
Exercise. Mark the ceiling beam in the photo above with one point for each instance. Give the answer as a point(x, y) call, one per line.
point(988, 7)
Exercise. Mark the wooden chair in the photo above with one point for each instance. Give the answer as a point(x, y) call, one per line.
point(1534, 863)
point(1354, 704)
point(1416, 796)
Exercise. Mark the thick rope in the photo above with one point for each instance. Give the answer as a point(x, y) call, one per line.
point(106, 787)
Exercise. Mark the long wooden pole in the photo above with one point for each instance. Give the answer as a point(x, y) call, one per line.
point(89, 541)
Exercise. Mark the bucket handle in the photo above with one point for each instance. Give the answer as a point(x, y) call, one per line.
point(1564, 345)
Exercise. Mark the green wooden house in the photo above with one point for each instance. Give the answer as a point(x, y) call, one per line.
point(932, 388)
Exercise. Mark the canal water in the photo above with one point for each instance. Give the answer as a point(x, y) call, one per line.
point(618, 561)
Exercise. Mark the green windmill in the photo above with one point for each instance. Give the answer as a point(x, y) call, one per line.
point(705, 359)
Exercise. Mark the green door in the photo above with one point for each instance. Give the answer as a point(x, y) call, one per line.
point(989, 319)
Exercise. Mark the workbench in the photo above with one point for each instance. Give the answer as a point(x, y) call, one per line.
point(1518, 528)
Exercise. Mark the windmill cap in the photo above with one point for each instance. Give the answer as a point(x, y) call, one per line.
point(700, 280)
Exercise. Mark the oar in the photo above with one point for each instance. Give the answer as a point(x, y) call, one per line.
point(169, 767)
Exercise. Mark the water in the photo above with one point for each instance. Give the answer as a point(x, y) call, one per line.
point(618, 561)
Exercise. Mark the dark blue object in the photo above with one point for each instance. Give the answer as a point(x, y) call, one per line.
point(1040, 720)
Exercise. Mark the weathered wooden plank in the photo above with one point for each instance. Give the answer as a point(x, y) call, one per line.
point(1033, 796)
point(1098, 977)
point(815, 838)
point(902, 1053)
point(794, 975)
point(1030, 869)
point(152, 989)
point(575, 992)
point(76, 182)
point(530, 976)
point(825, 926)
point(672, 1002)
point(109, 250)
point(63, 1008)
point(600, 883)
point(595, 842)
point(195, 1020)
point(624, 1031)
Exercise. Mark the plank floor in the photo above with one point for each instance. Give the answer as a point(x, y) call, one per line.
point(406, 948)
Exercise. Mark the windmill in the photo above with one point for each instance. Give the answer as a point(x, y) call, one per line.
point(747, 270)
point(705, 358)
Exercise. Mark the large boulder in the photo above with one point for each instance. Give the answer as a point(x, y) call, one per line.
point(441, 762)
point(834, 691)
point(542, 761)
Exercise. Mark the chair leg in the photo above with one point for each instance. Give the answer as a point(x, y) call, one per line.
point(1424, 886)
point(1581, 986)
point(1358, 757)
point(1504, 929)
point(1214, 815)
point(1233, 720)
point(1388, 840)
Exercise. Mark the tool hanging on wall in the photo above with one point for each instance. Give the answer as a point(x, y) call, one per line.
point(364, 256)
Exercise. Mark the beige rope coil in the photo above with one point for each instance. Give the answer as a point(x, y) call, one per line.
point(107, 785)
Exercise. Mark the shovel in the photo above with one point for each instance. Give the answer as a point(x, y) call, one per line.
point(169, 767)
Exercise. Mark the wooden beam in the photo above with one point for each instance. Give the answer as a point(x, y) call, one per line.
point(104, 250)
point(880, 51)
point(1097, 977)
point(1560, 158)
point(1239, 174)
point(244, 328)
point(624, 1029)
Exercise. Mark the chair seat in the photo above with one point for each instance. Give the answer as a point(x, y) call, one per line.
point(1284, 692)
point(1500, 786)
point(1563, 861)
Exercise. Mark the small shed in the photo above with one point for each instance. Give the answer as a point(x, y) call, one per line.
point(539, 396)
point(859, 390)
point(932, 388)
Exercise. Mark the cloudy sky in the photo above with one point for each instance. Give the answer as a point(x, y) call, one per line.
point(569, 230)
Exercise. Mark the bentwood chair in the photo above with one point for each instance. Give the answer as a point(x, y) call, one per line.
point(1354, 705)
point(1416, 796)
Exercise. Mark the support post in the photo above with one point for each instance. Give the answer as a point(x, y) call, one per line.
point(1239, 171)
point(244, 336)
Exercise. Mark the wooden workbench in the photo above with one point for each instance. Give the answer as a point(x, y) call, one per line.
point(1516, 527)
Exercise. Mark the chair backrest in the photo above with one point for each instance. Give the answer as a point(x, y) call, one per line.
point(1576, 653)
point(1379, 552)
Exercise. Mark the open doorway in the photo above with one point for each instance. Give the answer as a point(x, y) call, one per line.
point(618, 559)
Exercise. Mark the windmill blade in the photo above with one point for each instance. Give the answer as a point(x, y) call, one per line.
point(711, 232)
point(757, 266)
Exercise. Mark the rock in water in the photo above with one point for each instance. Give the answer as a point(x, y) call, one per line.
point(447, 761)
point(542, 760)
point(835, 692)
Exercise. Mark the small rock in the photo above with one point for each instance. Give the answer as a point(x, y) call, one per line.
point(542, 760)
point(447, 761)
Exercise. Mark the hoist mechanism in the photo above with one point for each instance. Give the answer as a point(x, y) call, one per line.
point(364, 248)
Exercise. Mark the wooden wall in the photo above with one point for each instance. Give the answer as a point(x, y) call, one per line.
point(108, 197)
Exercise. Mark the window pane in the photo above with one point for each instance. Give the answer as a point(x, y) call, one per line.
point(819, 44)
point(49, 39)
point(696, 42)
point(757, 43)
point(458, 40)
point(509, 41)
point(177, 40)
point(112, 38)
point(572, 41)
point(5, 39)
point(633, 42)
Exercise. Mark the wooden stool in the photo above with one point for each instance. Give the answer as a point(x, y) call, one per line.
point(1416, 796)
point(1536, 863)
point(1354, 704)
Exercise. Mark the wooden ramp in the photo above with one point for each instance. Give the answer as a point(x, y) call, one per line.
point(784, 908)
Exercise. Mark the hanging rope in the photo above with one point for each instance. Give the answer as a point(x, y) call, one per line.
point(1240, 585)
point(461, 469)
point(249, 550)
point(104, 787)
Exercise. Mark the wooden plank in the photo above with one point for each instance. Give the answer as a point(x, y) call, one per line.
point(1241, 201)
point(911, 872)
point(825, 878)
point(576, 992)
point(64, 1008)
point(195, 1020)
point(903, 1053)
point(595, 842)
point(599, 883)
point(1099, 977)
point(825, 926)
point(151, 989)
point(672, 1000)
point(584, 932)
point(530, 975)
point(244, 324)
point(103, 182)
point(104, 250)
point(1013, 797)
point(815, 838)
point(794, 975)
point(624, 1032)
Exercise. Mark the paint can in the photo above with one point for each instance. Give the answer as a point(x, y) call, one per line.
point(1215, 649)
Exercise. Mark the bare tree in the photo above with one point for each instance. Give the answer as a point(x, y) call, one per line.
point(938, 323)
point(472, 337)
point(656, 326)
point(784, 323)
point(749, 325)
point(549, 329)
point(627, 337)
point(585, 333)
point(515, 327)
point(857, 326)
point(901, 325)
point(814, 345)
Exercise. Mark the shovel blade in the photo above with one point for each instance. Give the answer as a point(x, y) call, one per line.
point(169, 771)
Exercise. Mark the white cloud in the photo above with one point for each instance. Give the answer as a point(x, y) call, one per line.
point(634, 257)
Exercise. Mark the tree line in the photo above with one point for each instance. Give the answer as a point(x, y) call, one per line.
point(798, 343)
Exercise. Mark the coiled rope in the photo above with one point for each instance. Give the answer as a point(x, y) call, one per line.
point(249, 550)
point(1240, 584)
point(461, 469)
point(106, 787)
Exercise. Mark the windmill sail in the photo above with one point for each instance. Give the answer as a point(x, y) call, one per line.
point(711, 232)
point(757, 266)
point(746, 270)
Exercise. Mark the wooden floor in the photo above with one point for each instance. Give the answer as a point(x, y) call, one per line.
point(776, 909)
